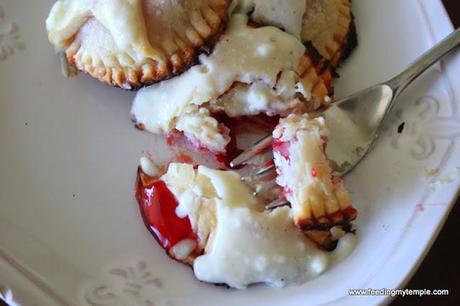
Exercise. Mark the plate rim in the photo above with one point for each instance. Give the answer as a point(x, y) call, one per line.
point(437, 8)
point(435, 37)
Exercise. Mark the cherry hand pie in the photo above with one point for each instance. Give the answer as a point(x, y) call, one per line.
point(133, 43)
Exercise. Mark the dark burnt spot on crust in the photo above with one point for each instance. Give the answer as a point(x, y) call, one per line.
point(341, 218)
point(315, 55)
point(140, 126)
point(206, 49)
point(221, 285)
point(322, 65)
point(324, 239)
point(351, 41)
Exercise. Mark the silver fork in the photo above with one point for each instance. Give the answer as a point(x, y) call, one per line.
point(355, 121)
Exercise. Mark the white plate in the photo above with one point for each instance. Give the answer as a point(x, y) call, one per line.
point(70, 230)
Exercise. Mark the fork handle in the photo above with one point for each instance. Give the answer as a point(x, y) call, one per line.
point(425, 61)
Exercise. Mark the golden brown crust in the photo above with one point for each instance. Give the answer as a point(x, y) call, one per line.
point(318, 80)
point(320, 211)
point(329, 26)
point(342, 217)
point(201, 28)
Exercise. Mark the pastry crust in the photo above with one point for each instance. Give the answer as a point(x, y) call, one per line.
point(329, 26)
point(318, 76)
point(176, 32)
point(318, 199)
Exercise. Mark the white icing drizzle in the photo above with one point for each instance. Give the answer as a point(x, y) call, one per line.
point(124, 19)
point(149, 167)
point(243, 54)
point(183, 249)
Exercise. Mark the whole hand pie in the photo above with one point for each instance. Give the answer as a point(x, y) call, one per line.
point(132, 43)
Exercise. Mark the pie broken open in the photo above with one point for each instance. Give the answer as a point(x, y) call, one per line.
point(251, 71)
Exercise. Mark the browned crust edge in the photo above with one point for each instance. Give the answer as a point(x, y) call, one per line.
point(351, 42)
point(348, 45)
point(165, 71)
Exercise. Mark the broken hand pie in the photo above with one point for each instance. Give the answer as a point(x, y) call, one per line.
point(132, 43)
point(251, 71)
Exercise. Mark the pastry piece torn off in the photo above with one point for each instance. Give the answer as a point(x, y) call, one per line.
point(319, 200)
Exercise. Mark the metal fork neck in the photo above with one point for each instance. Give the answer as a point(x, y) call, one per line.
point(425, 61)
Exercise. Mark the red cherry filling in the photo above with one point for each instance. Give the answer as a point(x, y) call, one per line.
point(282, 147)
point(158, 204)
point(158, 209)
